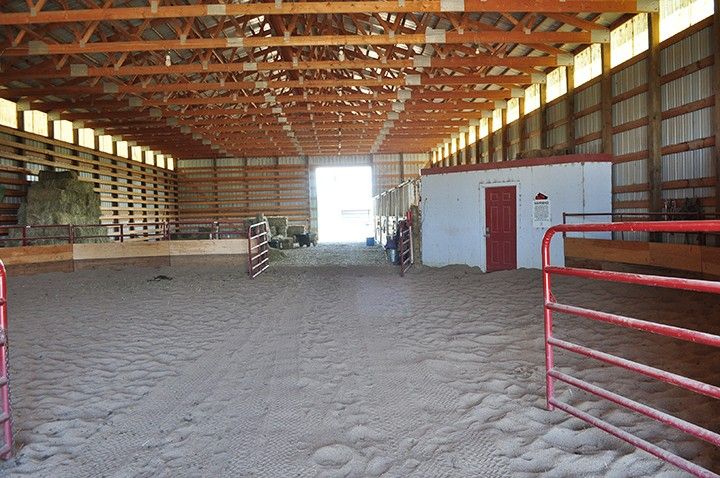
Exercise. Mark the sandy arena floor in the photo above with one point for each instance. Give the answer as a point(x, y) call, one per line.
point(331, 371)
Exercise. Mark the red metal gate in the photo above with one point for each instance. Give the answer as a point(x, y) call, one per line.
point(405, 253)
point(551, 305)
point(6, 451)
point(258, 248)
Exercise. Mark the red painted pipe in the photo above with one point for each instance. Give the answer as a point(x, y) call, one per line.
point(7, 450)
point(550, 306)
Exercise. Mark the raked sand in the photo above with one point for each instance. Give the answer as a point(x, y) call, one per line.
point(333, 371)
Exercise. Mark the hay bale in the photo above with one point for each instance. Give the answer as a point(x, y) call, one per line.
point(60, 198)
point(416, 233)
point(276, 255)
point(280, 223)
point(255, 220)
point(293, 230)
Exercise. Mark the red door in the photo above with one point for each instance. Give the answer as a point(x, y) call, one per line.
point(500, 230)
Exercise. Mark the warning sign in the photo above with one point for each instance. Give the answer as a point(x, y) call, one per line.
point(541, 211)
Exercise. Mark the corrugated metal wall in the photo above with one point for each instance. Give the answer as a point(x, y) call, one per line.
point(588, 119)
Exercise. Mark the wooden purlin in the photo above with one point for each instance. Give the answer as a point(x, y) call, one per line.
point(474, 61)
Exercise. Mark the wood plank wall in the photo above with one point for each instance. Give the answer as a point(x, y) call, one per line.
point(610, 114)
point(224, 191)
point(130, 191)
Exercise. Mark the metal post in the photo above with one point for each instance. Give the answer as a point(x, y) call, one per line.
point(122, 232)
point(24, 235)
point(548, 319)
point(6, 451)
point(71, 235)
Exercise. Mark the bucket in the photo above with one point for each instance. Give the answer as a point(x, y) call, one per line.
point(370, 241)
point(391, 255)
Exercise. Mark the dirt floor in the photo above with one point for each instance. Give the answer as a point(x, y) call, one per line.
point(334, 255)
point(332, 371)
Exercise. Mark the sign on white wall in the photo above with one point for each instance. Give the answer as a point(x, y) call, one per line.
point(542, 217)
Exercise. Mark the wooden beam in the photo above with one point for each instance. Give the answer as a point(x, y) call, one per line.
point(39, 48)
point(606, 99)
point(414, 93)
point(305, 8)
point(473, 61)
point(570, 105)
point(139, 89)
point(654, 109)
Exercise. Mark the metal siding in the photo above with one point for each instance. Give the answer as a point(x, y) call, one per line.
point(588, 124)
point(686, 89)
point(628, 78)
point(687, 51)
point(587, 97)
point(688, 127)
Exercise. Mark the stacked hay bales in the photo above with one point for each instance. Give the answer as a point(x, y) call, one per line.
point(60, 198)
point(278, 226)
point(416, 233)
point(294, 230)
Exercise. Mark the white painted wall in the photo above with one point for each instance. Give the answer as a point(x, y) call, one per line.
point(453, 205)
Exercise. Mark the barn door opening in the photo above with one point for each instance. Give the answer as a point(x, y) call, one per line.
point(344, 199)
point(501, 228)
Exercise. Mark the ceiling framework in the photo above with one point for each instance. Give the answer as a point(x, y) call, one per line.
point(197, 79)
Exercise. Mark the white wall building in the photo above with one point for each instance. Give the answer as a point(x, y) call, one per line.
point(494, 215)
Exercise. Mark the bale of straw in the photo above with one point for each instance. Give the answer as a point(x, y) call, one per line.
point(60, 198)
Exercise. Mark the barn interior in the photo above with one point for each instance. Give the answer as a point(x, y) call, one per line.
point(360, 238)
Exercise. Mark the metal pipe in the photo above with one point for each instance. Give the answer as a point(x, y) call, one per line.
point(637, 324)
point(697, 285)
point(638, 442)
point(548, 319)
point(679, 423)
point(656, 373)
point(7, 450)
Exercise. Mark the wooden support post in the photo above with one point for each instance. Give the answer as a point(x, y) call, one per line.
point(521, 127)
point(606, 101)
point(402, 167)
point(491, 140)
point(504, 137)
point(654, 108)
point(570, 102)
point(466, 150)
point(715, 37)
point(543, 116)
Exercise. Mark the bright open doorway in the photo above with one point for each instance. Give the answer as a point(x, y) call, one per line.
point(344, 196)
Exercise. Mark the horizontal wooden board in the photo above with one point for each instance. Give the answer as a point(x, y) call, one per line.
point(683, 257)
point(117, 250)
point(36, 254)
point(208, 247)
point(628, 252)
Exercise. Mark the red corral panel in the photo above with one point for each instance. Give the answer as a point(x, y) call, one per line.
point(553, 374)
